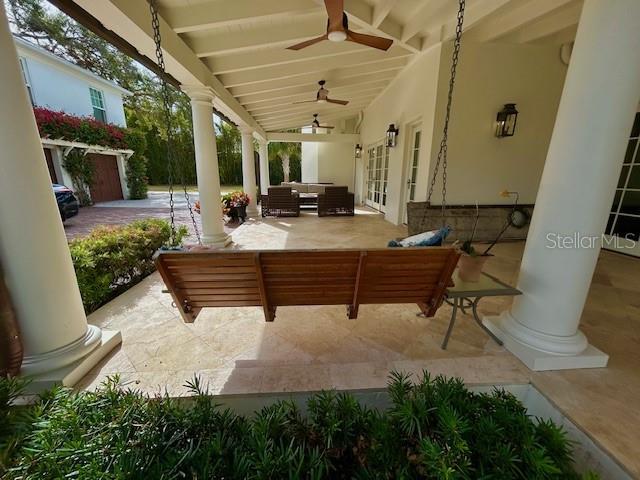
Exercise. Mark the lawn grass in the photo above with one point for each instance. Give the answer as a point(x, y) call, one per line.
point(193, 188)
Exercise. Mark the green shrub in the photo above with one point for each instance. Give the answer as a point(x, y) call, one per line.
point(435, 429)
point(137, 181)
point(136, 168)
point(112, 259)
point(82, 172)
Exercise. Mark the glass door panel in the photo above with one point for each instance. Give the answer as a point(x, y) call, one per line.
point(623, 227)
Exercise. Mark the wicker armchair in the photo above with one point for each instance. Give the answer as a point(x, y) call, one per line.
point(280, 202)
point(335, 201)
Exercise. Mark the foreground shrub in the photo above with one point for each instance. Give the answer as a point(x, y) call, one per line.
point(112, 259)
point(435, 429)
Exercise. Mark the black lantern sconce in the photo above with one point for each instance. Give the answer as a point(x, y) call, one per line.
point(392, 135)
point(506, 121)
point(358, 151)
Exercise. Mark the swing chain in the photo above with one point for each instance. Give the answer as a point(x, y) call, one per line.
point(442, 153)
point(167, 106)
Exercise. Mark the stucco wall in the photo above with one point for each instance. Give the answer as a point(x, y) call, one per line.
point(480, 165)
point(57, 86)
point(410, 99)
point(328, 162)
point(490, 75)
point(336, 163)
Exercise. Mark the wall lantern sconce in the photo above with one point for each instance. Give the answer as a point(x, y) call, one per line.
point(506, 121)
point(392, 135)
point(358, 151)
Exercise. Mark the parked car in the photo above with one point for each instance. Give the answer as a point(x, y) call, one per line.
point(67, 202)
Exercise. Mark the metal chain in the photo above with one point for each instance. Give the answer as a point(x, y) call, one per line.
point(442, 153)
point(167, 105)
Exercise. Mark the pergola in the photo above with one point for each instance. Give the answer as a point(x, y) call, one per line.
point(231, 56)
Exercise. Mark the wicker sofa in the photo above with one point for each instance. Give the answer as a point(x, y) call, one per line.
point(280, 202)
point(336, 201)
point(308, 192)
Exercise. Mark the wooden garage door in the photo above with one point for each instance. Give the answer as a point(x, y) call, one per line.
point(106, 180)
point(52, 171)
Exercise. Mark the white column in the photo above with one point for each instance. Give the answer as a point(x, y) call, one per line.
point(264, 167)
point(249, 170)
point(59, 345)
point(204, 139)
point(596, 111)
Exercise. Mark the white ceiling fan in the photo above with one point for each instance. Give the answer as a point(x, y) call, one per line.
point(316, 123)
point(323, 97)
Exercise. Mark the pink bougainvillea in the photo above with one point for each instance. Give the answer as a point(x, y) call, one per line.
point(60, 125)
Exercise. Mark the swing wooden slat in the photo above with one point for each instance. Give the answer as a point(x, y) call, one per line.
point(271, 279)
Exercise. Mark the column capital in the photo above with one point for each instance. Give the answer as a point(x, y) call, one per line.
point(245, 130)
point(199, 93)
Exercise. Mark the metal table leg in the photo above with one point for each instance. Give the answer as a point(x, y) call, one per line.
point(474, 309)
point(456, 304)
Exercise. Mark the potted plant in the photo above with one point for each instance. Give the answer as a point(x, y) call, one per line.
point(236, 205)
point(472, 261)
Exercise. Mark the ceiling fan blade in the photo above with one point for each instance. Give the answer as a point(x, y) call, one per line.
point(335, 11)
point(339, 102)
point(308, 43)
point(306, 101)
point(380, 43)
point(325, 127)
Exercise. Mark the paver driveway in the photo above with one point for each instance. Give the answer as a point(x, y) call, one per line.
point(126, 211)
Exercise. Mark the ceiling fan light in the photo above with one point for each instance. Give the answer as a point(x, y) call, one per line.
point(322, 100)
point(338, 36)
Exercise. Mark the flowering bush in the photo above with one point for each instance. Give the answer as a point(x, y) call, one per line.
point(60, 125)
point(236, 199)
point(233, 199)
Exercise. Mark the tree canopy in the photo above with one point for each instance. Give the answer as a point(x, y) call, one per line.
point(37, 22)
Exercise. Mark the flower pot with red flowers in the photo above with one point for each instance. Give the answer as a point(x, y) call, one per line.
point(235, 204)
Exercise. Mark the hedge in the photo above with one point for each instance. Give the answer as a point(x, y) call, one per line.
point(113, 259)
point(434, 429)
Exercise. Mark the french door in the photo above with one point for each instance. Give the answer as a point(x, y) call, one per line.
point(412, 171)
point(377, 176)
point(623, 227)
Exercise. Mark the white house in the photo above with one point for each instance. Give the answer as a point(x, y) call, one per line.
point(56, 84)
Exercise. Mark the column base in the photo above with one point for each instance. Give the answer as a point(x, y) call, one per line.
point(219, 240)
point(252, 210)
point(540, 352)
point(70, 374)
point(61, 357)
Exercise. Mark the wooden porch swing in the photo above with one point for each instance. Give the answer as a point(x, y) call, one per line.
point(198, 278)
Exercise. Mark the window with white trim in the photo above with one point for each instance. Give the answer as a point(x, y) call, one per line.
point(27, 79)
point(97, 102)
point(624, 219)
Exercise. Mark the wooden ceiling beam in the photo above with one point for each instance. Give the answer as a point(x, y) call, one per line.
point(514, 19)
point(288, 92)
point(195, 17)
point(352, 60)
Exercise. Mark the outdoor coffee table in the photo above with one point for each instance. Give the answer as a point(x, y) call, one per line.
point(465, 295)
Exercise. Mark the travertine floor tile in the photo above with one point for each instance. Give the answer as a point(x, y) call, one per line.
point(310, 348)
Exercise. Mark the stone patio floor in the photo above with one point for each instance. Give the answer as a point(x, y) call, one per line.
point(234, 351)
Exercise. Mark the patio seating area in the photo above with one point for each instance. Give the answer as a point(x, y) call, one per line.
point(235, 351)
point(561, 309)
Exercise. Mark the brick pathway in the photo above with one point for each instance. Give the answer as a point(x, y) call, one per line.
point(90, 217)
